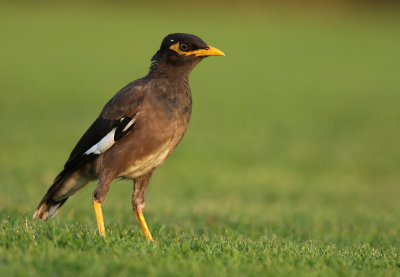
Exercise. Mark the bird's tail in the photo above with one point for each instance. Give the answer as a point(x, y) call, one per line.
point(58, 193)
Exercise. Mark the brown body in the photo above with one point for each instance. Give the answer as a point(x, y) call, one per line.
point(135, 132)
point(162, 116)
point(162, 119)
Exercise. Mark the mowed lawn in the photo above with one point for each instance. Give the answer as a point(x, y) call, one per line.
point(290, 165)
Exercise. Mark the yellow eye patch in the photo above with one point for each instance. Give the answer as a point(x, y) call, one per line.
point(210, 51)
point(176, 48)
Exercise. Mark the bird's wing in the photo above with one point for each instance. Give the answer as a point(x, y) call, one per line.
point(115, 122)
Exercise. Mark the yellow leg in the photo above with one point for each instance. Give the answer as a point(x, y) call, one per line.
point(145, 229)
point(99, 218)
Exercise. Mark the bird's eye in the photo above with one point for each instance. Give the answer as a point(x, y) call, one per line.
point(184, 46)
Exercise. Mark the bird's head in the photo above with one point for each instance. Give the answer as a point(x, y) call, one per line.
point(183, 50)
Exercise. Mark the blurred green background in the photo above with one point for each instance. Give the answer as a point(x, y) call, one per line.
point(290, 165)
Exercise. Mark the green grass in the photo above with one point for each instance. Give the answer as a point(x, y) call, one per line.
point(290, 165)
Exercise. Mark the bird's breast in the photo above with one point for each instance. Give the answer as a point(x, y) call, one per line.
point(145, 164)
point(160, 126)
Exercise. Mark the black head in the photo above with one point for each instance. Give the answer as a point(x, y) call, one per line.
point(181, 49)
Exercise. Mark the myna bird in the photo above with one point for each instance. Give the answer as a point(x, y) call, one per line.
point(136, 130)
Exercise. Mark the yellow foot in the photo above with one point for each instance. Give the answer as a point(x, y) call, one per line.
point(145, 229)
point(99, 218)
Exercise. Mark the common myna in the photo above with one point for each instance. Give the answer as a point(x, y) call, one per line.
point(134, 133)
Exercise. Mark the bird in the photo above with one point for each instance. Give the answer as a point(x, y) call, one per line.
point(135, 132)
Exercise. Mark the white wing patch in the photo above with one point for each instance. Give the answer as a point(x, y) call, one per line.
point(128, 125)
point(104, 144)
point(108, 140)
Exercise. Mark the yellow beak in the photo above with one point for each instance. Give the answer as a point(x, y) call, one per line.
point(211, 51)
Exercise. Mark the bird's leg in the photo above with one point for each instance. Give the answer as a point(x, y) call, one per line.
point(138, 203)
point(145, 228)
point(99, 218)
point(99, 196)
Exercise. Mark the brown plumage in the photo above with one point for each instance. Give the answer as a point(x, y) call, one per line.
point(136, 130)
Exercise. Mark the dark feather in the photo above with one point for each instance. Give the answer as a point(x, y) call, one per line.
point(93, 135)
point(119, 132)
point(73, 165)
point(109, 118)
